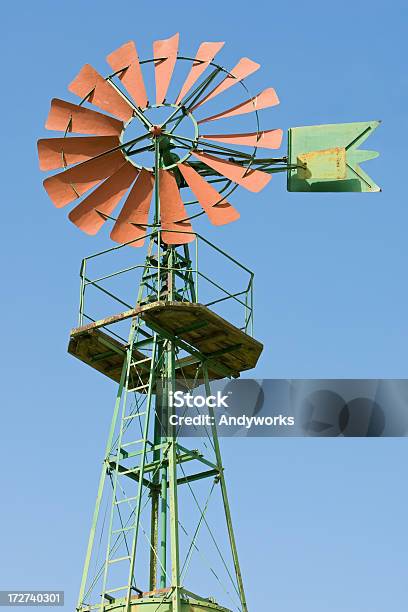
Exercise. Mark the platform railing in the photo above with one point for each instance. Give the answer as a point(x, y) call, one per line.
point(241, 297)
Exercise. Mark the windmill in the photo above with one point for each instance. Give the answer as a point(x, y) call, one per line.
point(150, 179)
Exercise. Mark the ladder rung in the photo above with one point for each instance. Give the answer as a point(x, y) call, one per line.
point(131, 443)
point(139, 361)
point(123, 529)
point(126, 499)
point(126, 472)
point(134, 415)
point(118, 559)
point(116, 590)
point(138, 388)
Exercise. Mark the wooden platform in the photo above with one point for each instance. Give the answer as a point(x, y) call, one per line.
point(102, 352)
point(227, 350)
point(218, 340)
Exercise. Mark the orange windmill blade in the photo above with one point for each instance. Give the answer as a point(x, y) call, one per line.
point(90, 85)
point(67, 117)
point(92, 212)
point(56, 153)
point(165, 57)
point(243, 69)
point(204, 57)
point(125, 61)
point(177, 228)
point(217, 208)
point(265, 99)
point(132, 157)
point(268, 139)
point(253, 180)
point(133, 219)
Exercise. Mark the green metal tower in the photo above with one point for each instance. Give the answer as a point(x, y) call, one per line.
point(178, 326)
point(173, 340)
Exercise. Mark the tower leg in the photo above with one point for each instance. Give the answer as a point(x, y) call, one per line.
point(172, 456)
point(154, 541)
point(154, 521)
point(224, 493)
point(163, 514)
point(101, 486)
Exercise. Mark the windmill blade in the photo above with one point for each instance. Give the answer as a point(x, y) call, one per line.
point(69, 185)
point(89, 214)
point(91, 85)
point(165, 56)
point(126, 58)
point(253, 180)
point(219, 211)
point(56, 153)
point(133, 218)
point(244, 68)
point(205, 55)
point(65, 116)
point(176, 228)
point(267, 139)
point(265, 99)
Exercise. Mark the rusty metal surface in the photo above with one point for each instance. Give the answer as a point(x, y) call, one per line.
point(172, 211)
point(165, 55)
point(244, 68)
point(105, 322)
point(65, 116)
point(101, 93)
point(219, 211)
point(133, 218)
point(267, 139)
point(127, 58)
point(253, 180)
point(205, 54)
point(325, 164)
point(265, 99)
point(56, 153)
point(89, 214)
point(69, 185)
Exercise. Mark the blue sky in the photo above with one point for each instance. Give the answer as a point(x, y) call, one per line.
point(321, 523)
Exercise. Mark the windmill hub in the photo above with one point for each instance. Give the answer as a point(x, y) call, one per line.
point(156, 130)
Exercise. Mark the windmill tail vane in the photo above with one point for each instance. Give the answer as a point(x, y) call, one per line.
point(151, 168)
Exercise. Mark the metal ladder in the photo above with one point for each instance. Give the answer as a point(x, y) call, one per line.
point(123, 529)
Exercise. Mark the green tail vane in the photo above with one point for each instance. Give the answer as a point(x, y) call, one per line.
point(328, 157)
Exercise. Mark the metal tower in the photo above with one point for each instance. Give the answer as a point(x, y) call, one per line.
point(173, 341)
point(171, 334)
